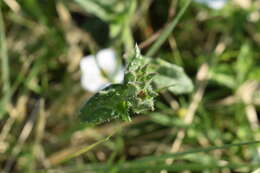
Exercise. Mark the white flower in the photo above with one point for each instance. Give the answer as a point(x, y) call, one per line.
point(92, 78)
point(215, 4)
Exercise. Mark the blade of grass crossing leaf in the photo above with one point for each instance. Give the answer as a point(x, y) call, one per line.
point(4, 64)
point(167, 31)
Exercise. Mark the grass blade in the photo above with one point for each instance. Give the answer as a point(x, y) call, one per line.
point(154, 162)
point(174, 155)
point(54, 161)
point(186, 166)
point(167, 31)
point(157, 167)
point(5, 65)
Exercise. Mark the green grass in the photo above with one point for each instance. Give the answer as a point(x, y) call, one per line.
point(41, 43)
point(5, 67)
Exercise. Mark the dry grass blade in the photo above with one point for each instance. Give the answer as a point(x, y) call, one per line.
point(202, 76)
point(27, 129)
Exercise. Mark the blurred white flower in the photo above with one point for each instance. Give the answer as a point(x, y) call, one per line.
point(92, 78)
point(215, 4)
point(244, 3)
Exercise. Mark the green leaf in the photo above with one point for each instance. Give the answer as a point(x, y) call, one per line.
point(99, 8)
point(116, 13)
point(244, 62)
point(223, 75)
point(106, 105)
point(172, 77)
point(255, 74)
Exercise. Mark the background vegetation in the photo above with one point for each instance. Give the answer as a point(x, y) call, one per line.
point(42, 42)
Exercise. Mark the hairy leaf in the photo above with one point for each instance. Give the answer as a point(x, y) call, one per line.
point(172, 77)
